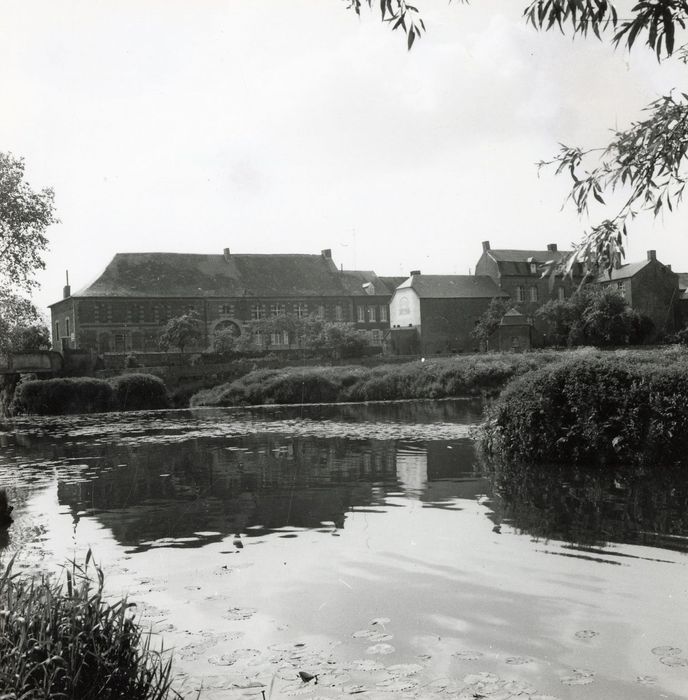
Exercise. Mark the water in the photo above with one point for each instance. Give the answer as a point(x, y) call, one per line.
point(362, 544)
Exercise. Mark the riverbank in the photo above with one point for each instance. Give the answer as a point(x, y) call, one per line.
point(459, 376)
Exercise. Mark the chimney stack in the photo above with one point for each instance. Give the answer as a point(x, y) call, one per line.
point(415, 272)
point(66, 290)
point(652, 255)
point(225, 254)
point(552, 247)
point(486, 246)
point(326, 253)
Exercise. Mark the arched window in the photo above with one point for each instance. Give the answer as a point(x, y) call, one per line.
point(404, 306)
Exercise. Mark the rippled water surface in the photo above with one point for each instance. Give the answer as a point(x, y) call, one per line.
point(362, 546)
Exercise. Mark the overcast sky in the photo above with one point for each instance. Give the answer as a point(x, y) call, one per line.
point(292, 125)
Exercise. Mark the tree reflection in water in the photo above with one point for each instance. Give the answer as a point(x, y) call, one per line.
point(591, 507)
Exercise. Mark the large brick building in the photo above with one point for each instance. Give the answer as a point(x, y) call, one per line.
point(433, 314)
point(650, 288)
point(128, 305)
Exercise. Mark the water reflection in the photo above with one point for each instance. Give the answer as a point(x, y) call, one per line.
point(591, 508)
point(182, 479)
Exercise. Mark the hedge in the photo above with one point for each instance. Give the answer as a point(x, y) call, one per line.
point(69, 395)
point(593, 411)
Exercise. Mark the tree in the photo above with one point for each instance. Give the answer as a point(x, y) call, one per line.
point(600, 317)
point(22, 328)
point(182, 331)
point(24, 217)
point(489, 322)
point(646, 161)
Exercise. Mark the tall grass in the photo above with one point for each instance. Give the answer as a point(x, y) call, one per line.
point(465, 375)
point(63, 639)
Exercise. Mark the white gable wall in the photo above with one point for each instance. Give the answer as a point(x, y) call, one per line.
point(404, 308)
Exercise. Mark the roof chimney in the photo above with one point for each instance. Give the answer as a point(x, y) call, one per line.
point(486, 246)
point(225, 254)
point(326, 253)
point(66, 290)
point(552, 247)
point(414, 273)
point(652, 255)
point(668, 267)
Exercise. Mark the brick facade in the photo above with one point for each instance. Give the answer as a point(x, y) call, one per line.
point(127, 307)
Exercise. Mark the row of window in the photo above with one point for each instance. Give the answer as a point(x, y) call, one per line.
point(371, 314)
point(533, 293)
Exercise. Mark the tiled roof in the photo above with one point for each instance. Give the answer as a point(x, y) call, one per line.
point(393, 282)
point(353, 281)
point(623, 272)
point(453, 286)
point(194, 275)
point(517, 262)
point(502, 255)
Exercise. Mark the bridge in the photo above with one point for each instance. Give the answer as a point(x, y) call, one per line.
point(39, 362)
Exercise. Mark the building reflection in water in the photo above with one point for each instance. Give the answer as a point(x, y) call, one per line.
point(258, 484)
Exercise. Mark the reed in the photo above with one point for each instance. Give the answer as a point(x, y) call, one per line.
point(62, 638)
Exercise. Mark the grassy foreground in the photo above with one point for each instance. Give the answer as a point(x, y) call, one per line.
point(62, 639)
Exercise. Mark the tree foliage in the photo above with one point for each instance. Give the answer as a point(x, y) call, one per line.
point(600, 317)
point(645, 162)
point(22, 328)
point(24, 217)
point(182, 331)
point(489, 321)
point(309, 333)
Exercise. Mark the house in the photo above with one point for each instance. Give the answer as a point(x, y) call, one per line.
point(650, 288)
point(128, 305)
point(431, 314)
point(519, 273)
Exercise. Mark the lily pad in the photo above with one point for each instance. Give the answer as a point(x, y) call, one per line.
point(578, 677)
point(666, 651)
point(674, 661)
point(586, 634)
point(380, 649)
point(468, 655)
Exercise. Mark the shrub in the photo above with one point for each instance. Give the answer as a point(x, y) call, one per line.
point(62, 396)
point(62, 639)
point(467, 375)
point(593, 411)
point(136, 392)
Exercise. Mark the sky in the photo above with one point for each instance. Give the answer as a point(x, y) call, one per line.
point(268, 126)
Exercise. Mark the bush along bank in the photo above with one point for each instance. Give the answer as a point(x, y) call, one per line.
point(127, 392)
point(468, 375)
point(64, 639)
point(595, 411)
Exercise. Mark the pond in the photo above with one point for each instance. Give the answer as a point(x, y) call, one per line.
point(363, 545)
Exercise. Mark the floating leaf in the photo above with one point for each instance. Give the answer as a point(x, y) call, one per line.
point(646, 680)
point(404, 669)
point(518, 660)
point(380, 649)
point(674, 661)
point(578, 677)
point(586, 634)
point(666, 651)
point(380, 621)
point(468, 655)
